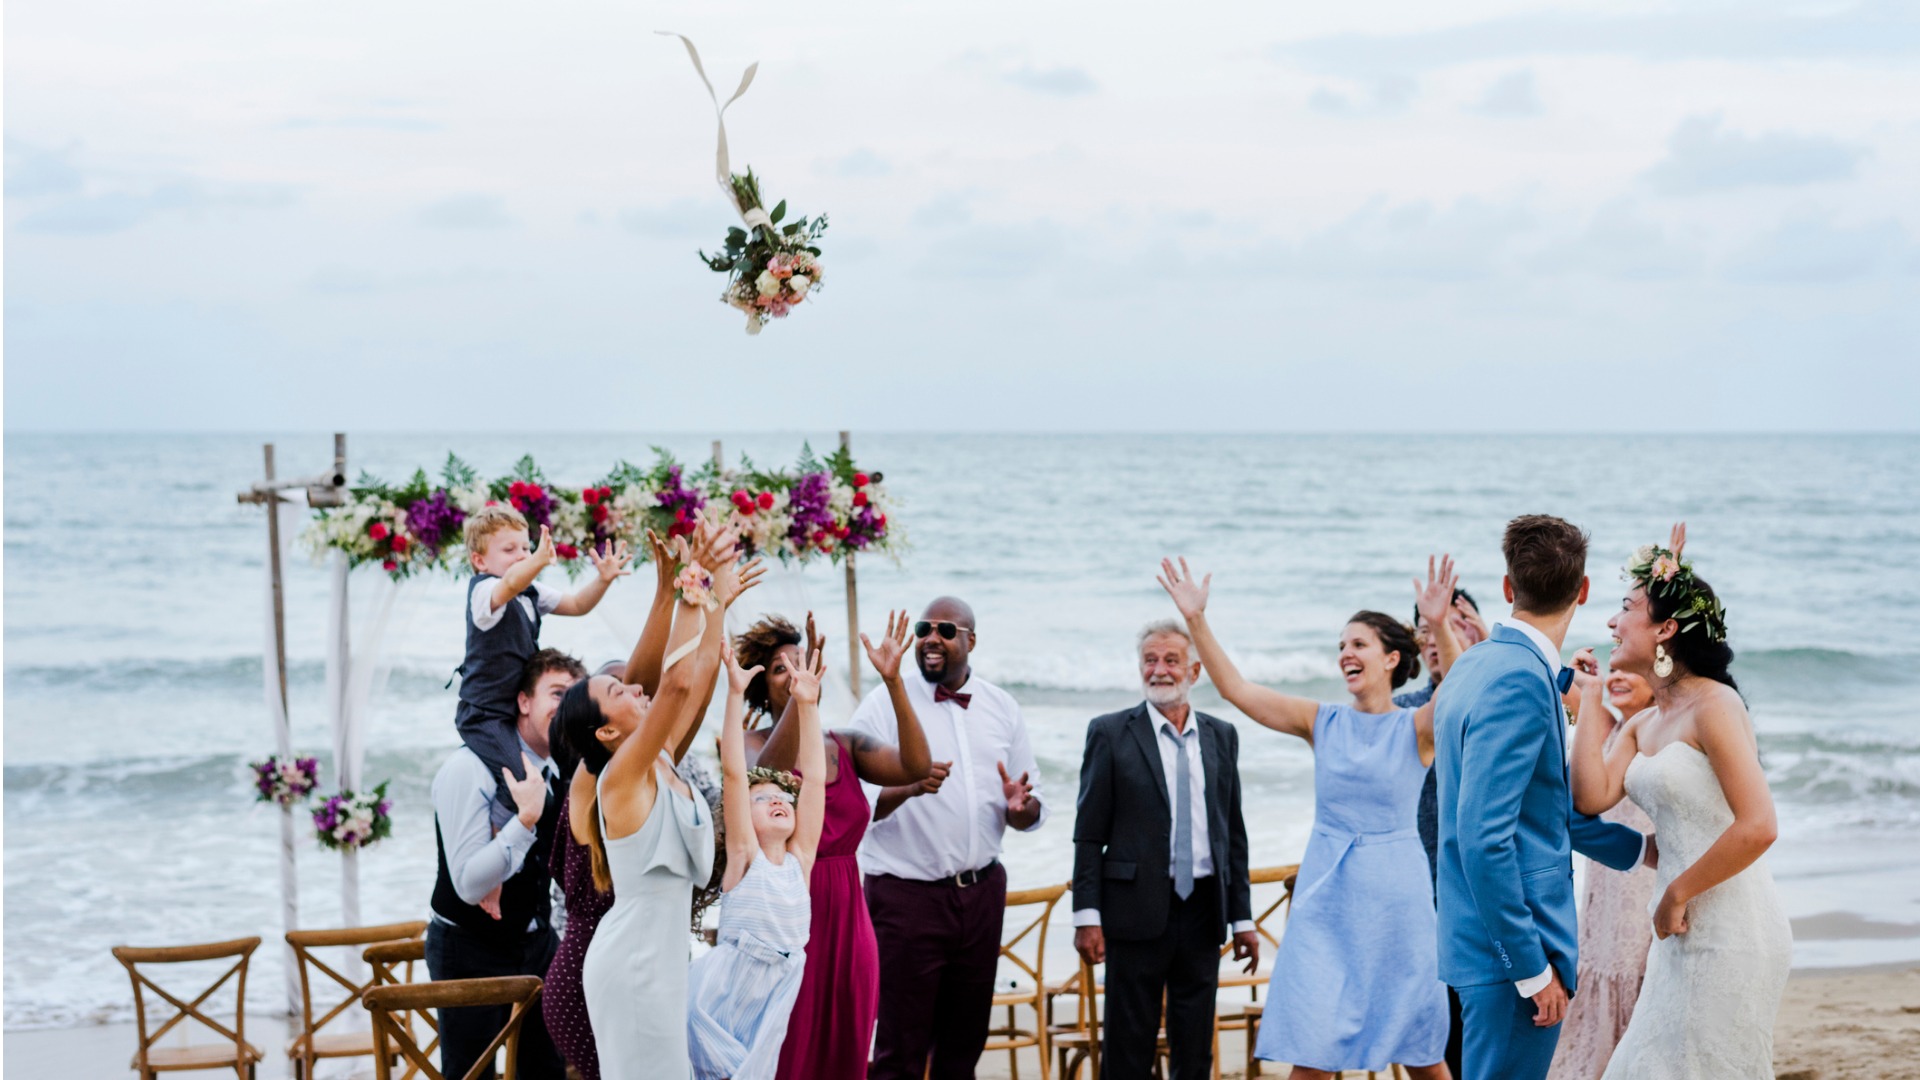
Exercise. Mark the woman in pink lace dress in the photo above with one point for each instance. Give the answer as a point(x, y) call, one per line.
point(1614, 931)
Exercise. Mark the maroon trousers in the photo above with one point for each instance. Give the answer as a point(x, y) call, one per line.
point(939, 951)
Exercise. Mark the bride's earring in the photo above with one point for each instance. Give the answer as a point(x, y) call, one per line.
point(1662, 663)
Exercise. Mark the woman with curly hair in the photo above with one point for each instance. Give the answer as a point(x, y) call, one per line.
point(831, 1029)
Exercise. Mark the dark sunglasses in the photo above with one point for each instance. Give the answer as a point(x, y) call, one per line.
point(948, 631)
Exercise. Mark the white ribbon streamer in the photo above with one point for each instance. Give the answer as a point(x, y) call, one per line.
point(723, 170)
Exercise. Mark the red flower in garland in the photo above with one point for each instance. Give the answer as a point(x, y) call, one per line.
point(400, 543)
point(389, 566)
point(599, 511)
point(860, 479)
point(766, 500)
point(378, 530)
point(859, 498)
point(566, 551)
point(590, 496)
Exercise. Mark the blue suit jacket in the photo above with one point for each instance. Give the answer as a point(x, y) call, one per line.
point(1507, 826)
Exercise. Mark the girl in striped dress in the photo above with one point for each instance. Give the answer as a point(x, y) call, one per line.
point(741, 993)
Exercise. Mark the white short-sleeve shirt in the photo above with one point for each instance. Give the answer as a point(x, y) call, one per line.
point(959, 827)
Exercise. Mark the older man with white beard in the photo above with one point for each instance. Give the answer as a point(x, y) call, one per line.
point(1160, 863)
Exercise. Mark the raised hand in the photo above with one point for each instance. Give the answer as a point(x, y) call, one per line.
point(1189, 596)
point(885, 658)
point(1677, 540)
point(738, 678)
point(805, 688)
point(543, 551)
point(715, 544)
point(1017, 791)
point(1463, 610)
point(663, 561)
point(612, 562)
point(731, 578)
point(1435, 598)
point(814, 641)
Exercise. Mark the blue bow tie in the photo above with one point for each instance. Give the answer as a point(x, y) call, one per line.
point(1564, 680)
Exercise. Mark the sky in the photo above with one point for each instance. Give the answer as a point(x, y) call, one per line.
point(1244, 215)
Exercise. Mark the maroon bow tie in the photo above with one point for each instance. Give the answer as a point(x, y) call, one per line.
point(941, 693)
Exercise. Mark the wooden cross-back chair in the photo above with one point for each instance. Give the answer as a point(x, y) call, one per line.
point(1031, 934)
point(233, 1052)
point(393, 1037)
point(1078, 1043)
point(1267, 923)
point(310, 1044)
point(392, 965)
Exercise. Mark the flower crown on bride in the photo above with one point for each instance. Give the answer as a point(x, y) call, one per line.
point(1663, 575)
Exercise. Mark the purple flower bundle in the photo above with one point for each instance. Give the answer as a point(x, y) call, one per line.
point(284, 783)
point(809, 504)
point(435, 521)
point(348, 820)
point(683, 502)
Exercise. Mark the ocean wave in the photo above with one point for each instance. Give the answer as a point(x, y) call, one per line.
point(1091, 671)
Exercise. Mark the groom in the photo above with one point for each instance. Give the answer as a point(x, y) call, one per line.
point(1507, 932)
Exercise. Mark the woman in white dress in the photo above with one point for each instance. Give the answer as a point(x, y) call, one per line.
point(650, 837)
point(1718, 966)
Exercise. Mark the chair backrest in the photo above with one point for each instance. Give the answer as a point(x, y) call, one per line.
point(304, 942)
point(1271, 916)
point(386, 961)
point(392, 1037)
point(239, 950)
point(1030, 931)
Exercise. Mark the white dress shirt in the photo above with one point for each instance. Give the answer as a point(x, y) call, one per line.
point(486, 616)
point(1189, 744)
point(479, 860)
point(1530, 987)
point(959, 827)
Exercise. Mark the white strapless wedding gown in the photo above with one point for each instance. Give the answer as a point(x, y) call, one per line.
point(1707, 1007)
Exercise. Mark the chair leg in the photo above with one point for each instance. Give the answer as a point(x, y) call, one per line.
point(1013, 1052)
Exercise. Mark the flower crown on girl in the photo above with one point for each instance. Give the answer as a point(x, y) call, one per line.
point(780, 778)
point(1662, 574)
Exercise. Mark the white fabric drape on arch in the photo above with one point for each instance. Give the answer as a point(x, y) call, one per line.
point(357, 668)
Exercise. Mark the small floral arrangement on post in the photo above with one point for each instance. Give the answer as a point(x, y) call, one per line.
point(351, 820)
point(770, 268)
point(284, 783)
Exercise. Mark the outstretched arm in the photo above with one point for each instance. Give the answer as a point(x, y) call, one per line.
point(516, 579)
point(1267, 707)
point(1726, 737)
point(609, 564)
point(643, 666)
point(736, 799)
point(812, 809)
point(909, 761)
point(781, 750)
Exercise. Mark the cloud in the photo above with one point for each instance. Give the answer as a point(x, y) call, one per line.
point(407, 124)
point(1413, 241)
point(1621, 245)
point(859, 164)
point(117, 211)
point(1702, 157)
point(344, 281)
point(33, 171)
point(1053, 82)
point(466, 212)
point(1511, 95)
point(948, 208)
point(1387, 94)
point(1813, 250)
point(999, 250)
point(1876, 29)
point(682, 218)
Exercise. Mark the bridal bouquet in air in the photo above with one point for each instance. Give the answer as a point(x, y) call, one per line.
point(770, 268)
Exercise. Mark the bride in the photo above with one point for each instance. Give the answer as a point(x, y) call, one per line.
point(1719, 963)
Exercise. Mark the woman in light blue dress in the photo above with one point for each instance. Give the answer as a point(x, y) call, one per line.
point(1356, 983)
point(742, 992)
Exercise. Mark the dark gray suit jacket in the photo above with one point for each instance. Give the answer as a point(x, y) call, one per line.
point(1122, 831)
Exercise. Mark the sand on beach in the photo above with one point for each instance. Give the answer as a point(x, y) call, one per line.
point(1840, 1025)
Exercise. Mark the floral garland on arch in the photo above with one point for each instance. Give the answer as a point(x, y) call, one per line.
point(819, 508)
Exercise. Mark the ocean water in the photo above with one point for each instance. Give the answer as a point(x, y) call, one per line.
point(133, 638)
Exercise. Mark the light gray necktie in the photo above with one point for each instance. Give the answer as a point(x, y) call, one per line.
point(1182, 819)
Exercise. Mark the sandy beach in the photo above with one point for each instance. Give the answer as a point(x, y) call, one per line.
point(1861, 1024)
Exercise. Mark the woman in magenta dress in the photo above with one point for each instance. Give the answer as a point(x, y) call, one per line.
point(831, 1028)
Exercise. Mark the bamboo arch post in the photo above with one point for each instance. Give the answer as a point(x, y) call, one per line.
point(853, 611)
point(323, 489)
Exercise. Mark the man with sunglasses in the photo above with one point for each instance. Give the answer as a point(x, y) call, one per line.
point(935, 885)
